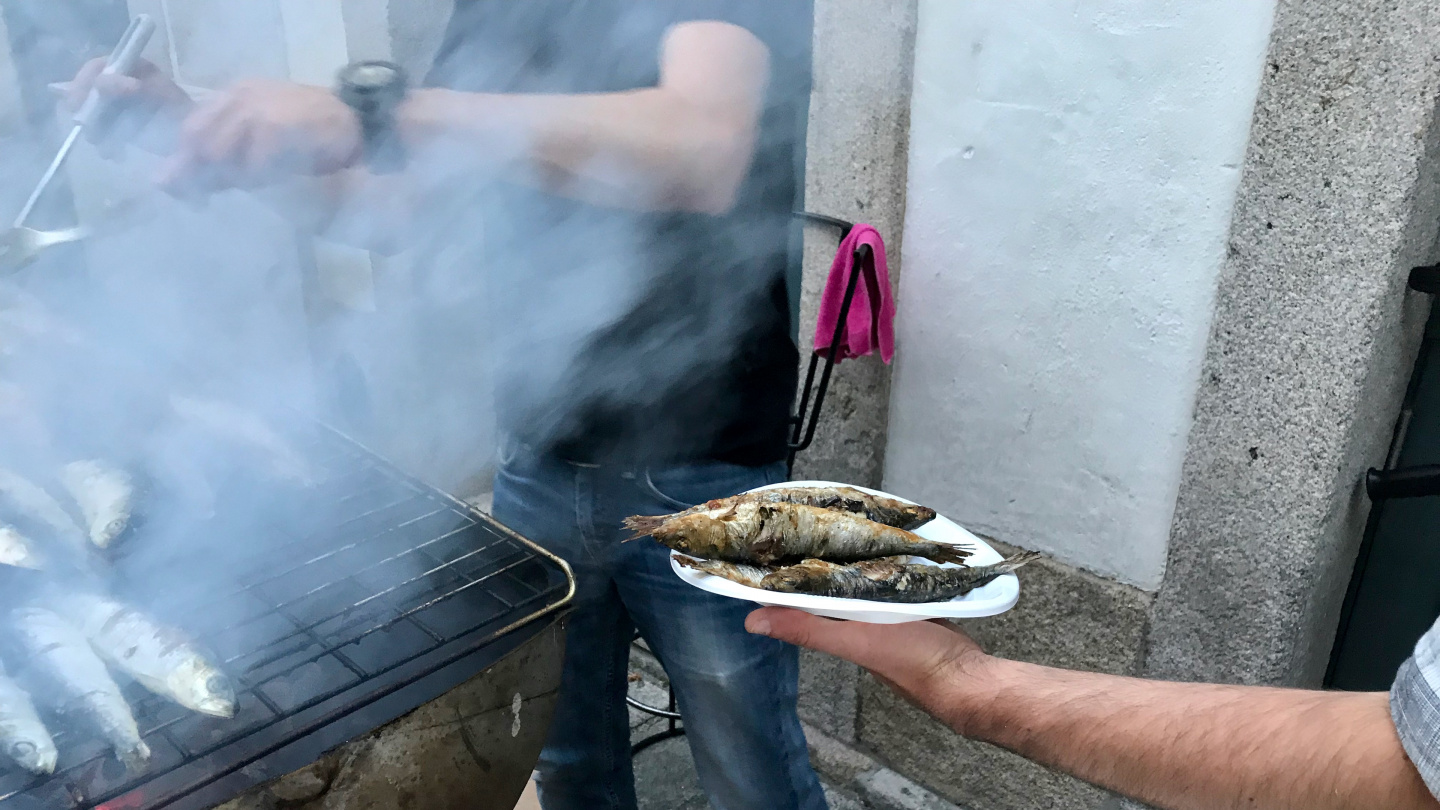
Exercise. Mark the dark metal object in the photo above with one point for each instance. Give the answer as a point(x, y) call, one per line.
point(1385, 609)
point(1426, 279)
point(374, 90)
point(803, 423)
point(400, 594)
point(22, 244)
point(1413, 482)
point(670, 713)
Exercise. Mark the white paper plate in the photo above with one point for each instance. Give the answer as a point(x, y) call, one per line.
point(991, 599)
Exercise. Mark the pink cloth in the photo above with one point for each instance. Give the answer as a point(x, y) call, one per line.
point(870, 323)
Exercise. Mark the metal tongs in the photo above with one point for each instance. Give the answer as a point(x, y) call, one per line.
point(21, 244)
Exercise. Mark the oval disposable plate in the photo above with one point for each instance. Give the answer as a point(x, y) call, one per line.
point(992, 599)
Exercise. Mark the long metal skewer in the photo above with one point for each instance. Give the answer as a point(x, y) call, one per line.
point(22, 244)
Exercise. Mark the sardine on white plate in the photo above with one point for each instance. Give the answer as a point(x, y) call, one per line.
point(105, 495)
point(17, 550)
point(159, 658)
point(242, 427)
point(30, 501)
point(23, 737)
point(74, 678)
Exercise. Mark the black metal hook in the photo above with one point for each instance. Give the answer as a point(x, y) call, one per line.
point(804, 424)
point(1426, 279)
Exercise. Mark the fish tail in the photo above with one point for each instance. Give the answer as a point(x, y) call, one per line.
point(951, 554)
point(1017, 561)
point(644, 525)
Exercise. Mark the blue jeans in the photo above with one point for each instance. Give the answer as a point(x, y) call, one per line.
point(737, 692)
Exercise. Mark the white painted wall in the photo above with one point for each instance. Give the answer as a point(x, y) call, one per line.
point(1073, 165)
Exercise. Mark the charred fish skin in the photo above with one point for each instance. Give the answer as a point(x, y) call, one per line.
point(775, 533)
point(23, 737)
point(159, 658)
point(105, 496)
point(751, 575)
point(82, 687)
point(889, 580)
point(880, 509)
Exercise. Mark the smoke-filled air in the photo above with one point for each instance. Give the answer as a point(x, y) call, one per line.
point(186, 391)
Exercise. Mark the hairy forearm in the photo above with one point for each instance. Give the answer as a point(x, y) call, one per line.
point(1194, 746)
point(649, 149)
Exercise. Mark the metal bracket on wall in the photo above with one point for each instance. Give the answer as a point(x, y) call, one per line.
point(803, 423)
point(1421, 481)
point(1426, 279)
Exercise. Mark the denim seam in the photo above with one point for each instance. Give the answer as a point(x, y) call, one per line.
point(608, 710)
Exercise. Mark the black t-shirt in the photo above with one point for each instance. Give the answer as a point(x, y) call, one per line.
point(638, 336)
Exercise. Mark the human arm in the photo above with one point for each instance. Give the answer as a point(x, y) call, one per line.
point(685, 144)
point(1172, 745)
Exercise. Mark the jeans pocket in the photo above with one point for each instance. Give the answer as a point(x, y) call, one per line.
point(685, 486)
point(646, 481)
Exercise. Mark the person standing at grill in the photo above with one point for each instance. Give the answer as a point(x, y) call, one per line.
point(641, 238)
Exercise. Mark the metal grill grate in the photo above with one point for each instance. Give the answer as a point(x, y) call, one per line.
point(375, 594)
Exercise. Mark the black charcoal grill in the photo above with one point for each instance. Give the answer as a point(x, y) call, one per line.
point(373, 595)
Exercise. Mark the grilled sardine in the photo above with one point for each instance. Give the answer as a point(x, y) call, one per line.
point(160, 658)
point(23, 737)
point(888, 580)
point(105, 496)
point(751, 575)
point(889, 511)
point(775, 533)
point(78, 682)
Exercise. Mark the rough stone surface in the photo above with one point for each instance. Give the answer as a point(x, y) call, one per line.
point(828, 693)
point(970, 774)
point(886, 790)
point(1311, 343)
point(858, 145)
point(469, 750)
point(1065, 618)
point(857, 163)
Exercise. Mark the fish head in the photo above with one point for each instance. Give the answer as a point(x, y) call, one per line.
point(200, 687)
point(36, 756)
point(697, 535)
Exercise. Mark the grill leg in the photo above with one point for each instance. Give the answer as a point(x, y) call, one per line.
point(672, 718)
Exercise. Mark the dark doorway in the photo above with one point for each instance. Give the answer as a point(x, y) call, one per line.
point(1394, 594)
